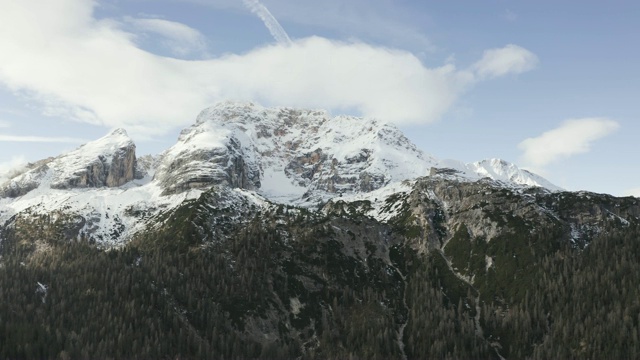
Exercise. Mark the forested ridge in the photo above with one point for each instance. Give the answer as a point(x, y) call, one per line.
point(293, 283)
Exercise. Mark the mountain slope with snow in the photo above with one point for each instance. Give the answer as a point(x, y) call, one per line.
point(109, 161)
point(509, 173)
point(279, 155)
point(289, 155)
point(306, 156)
point(501, 171)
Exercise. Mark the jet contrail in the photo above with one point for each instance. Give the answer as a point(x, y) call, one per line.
point(270, 22)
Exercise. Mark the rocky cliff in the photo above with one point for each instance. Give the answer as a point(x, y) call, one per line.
point(305, 156)
point(107, 162)
point(246, 146)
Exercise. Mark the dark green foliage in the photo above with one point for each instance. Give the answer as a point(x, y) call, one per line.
point(441, 325)
point(188, 298)
point(292, 283)
point(404, 221)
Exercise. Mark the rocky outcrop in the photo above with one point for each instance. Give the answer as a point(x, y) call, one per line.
point(437, 207)
point(183, 167)
point(107, 162)
point(114, 172)
point(305, 157)
point(294, 155)
point(123, 168)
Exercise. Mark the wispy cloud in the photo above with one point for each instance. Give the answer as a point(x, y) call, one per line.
point(378, 21)
point(511, 59)
point(10, 168)
point(97, 73)
point(179, 38)
point(270, 22)
point(572, 137)
point(4, 124)
point(40, 139)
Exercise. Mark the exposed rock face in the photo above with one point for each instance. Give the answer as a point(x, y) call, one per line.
point(102, 172)
point(440, 206)
point(483, 207)
point(187, 165)
point(26, 183)
point(109, 161)
point(286, 156)
point(296, 155)
point(306, 157)
point(123, 167)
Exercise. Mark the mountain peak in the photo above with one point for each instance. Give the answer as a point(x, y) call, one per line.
point(228, 110)
point(119, 132)
point(281, 155)
point(108, 161)
point(288, 154)
point(504, 171)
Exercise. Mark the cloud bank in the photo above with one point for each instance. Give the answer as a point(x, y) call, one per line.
point(572, 137)
point(91, 70)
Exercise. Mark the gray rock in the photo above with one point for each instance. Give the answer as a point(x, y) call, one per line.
point(204, 167)
point(114, 167)
point(107, 162)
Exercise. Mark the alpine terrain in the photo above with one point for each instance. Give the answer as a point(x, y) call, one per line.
point(291, 233)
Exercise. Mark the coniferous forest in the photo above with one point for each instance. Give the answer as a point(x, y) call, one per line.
point(291, 283)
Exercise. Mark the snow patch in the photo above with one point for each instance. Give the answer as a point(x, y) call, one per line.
point(41, 289)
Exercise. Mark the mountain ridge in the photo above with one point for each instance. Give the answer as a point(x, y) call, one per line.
point(284, 155)
point(267, 139)
point(258, 236)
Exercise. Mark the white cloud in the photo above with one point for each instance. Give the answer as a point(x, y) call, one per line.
point(179, 38)
point(5, 124)
point(572, 137)
point(511, 59)
point(40, 139)
point(91, 70)
point(9, 169)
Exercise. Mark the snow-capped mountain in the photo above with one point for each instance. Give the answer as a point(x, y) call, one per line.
point(98, 190)
point(278, 155)
point(304, 156)
point(109, 161)
point(289, 155)
point(509, 173)
point(498, 170)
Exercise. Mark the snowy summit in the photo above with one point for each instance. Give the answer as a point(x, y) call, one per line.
point(281, 155)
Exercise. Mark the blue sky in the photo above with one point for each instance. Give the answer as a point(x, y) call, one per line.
point(549, 85)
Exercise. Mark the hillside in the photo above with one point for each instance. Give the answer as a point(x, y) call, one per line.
point(289, 233)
